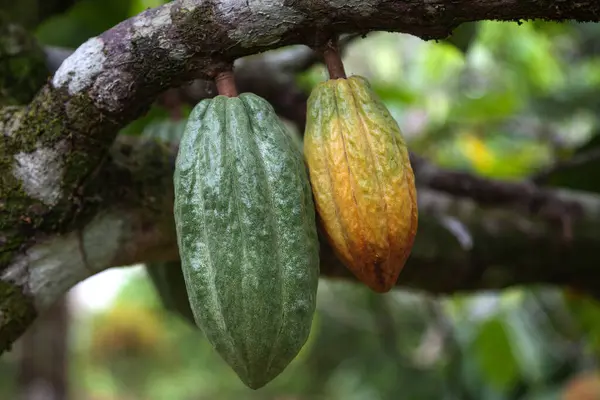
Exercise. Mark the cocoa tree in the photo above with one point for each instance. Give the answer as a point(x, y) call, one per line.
point(76, 198)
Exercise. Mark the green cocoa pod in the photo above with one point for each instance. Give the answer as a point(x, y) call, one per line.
point(247, 236)
point(167, 279)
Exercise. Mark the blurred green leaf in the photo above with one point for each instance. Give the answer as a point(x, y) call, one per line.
point(85, 19)
point(395, 94)
point(137, 6)
point(526, 49)
point(494, 354)
point(488, 107)
point(430, 58)
point(525, 344)
point(498, 155)
point(586, 312)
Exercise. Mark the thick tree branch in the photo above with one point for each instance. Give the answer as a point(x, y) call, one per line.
point(552, 205)
point(460, 245)
point(271, 75)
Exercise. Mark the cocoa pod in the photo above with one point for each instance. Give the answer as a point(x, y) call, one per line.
point(362, 180)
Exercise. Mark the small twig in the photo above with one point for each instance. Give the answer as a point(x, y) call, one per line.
point(225, 82)
point(333, 60)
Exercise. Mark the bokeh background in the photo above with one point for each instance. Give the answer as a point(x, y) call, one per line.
point(501, 100)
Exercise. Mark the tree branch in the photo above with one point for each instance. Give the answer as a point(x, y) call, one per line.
point(460, 245)
point(271, 75)
point(552, 205)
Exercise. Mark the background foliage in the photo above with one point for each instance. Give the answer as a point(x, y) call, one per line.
point(503, 100)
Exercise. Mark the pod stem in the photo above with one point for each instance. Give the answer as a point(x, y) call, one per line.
point(225, 82)
point(333, 60)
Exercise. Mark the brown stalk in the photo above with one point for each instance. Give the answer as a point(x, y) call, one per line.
point(226, 84)
point(333, 60)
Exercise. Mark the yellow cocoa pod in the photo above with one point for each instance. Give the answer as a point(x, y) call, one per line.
point(362, 180)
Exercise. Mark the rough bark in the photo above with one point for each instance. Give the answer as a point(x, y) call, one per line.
point(271, 75)
point(63, 216)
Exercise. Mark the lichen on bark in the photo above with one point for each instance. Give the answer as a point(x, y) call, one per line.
point(29, 133)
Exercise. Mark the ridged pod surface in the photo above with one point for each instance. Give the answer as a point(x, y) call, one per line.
point(247, 235)
point(362, 180)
